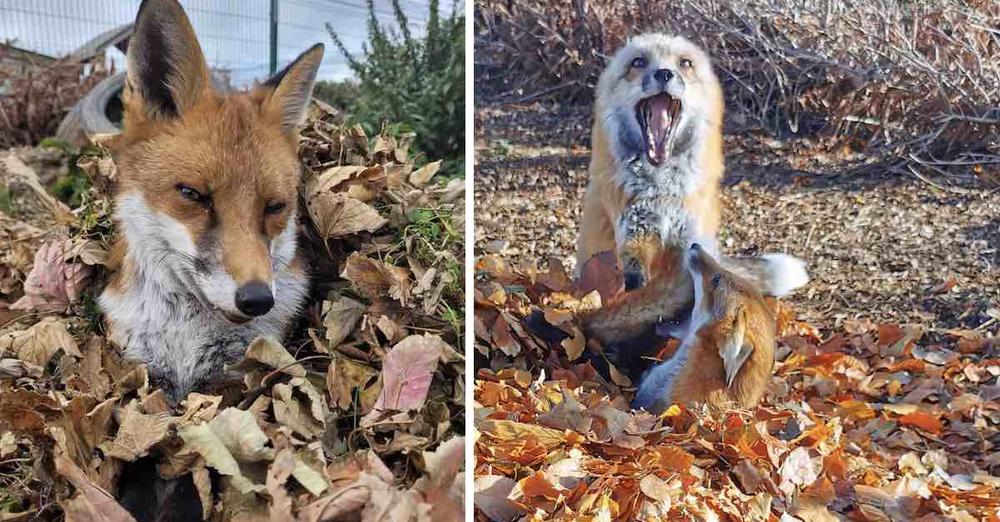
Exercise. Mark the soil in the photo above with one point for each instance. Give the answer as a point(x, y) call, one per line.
point(883, 246)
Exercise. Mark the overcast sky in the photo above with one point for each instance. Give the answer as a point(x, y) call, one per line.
point(233, 33)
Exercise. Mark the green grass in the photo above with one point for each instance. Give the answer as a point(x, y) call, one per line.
point(71, 187)
point(7, 204)
point(435, 241)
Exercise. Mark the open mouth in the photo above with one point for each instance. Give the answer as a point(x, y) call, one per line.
point(658, 116)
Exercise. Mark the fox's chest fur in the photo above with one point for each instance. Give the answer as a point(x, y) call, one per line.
point(657, 202)
point(158, 318)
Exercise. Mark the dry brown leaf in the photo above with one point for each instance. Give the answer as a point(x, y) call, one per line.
point(297, 413)
point(337, 215)
point(270, 352)
point(280, 509)
point(574, 345)
point(230, 438)
point(492, 498)
point(340, 316)
point(331, 178)
point(137, 432)
point(421, 176)
point(343, 377)
point(91, 504)
point(922, 420)
point(347, 499)
point(38, 344)
point(374, 279)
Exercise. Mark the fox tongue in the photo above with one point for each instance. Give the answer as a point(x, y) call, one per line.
point(659, 127)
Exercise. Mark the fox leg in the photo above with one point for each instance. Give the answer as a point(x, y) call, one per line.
point(597, 233)
point(636, 314)
point(638, 235)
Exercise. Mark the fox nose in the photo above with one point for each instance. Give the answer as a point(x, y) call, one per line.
point(663, 76)
point(254, 299)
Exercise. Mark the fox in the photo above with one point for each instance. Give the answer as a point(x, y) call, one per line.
point(726, 356)
point(654, 185)
point(205, 258)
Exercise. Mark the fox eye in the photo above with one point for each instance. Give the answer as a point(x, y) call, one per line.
point(716, 279)
point(686, 64)
point(640, 62)
point(274, 208)
point(193, 195)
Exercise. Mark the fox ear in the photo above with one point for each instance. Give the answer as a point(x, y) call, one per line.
point(735, 350)
point(291, 88)
point(166, 69)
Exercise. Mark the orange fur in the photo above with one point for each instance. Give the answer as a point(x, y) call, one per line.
point(734, 304)
point(630, 315)
point(238, 148)
point(703, 379)
point(205, 258)
point(605, 200)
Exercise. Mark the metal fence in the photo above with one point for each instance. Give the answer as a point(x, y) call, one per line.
point(235, 34)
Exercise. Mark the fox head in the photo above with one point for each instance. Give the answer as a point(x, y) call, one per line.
point(656, 97)
point(729, 309)
point(208, 182)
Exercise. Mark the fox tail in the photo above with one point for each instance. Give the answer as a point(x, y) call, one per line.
point(774, 274)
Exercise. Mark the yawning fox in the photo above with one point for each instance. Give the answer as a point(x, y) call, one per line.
point(205, 259)
point(727, 353)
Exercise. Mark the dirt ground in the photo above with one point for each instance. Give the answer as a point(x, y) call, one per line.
point(885, 247)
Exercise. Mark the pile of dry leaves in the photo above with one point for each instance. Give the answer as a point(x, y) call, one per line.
point(356, 417)
point(910, 82)
point(876, 422)
point(38, 95)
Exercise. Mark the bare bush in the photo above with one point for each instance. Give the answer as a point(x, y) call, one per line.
point(36, 99)
point(916, 84)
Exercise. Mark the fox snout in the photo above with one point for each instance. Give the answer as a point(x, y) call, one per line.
point(697, 258)
point(664, 80)
point(254, 299)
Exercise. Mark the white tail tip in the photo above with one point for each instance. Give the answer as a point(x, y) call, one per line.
point(785, 273)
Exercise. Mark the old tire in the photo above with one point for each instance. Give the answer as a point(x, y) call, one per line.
point(99, 112)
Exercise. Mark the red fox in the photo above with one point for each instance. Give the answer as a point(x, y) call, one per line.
point(726, 356)
point(205, 259)
point(655, 174)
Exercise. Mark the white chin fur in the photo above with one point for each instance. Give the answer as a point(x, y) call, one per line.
point(785, 273)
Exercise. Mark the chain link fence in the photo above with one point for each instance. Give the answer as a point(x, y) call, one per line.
point(235, 34)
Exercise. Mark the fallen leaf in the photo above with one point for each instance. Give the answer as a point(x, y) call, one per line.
point(798, 470)
point(922, 420)
point(38, 344)
point(230, 438)
point(375, 279)
point(270, 352)
point(137, 433)
point(421, 176)
point(340, 316)
point(91, 504)
point(54, 282)
point(407, 371)
point(574, 345)
point(337, 215)
point(343, 377)
point(492, 498)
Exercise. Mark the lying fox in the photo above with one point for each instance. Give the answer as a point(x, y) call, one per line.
point(655, 174)
point(205, 259)
point(727, 353)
